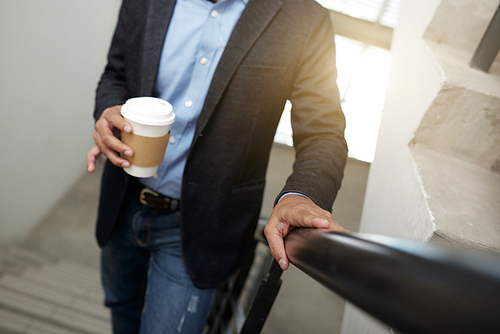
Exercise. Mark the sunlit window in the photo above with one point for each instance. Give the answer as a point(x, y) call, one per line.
point(384, 12)
point(362, 80)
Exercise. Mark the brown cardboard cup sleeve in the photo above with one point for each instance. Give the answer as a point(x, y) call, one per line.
point(148, 151)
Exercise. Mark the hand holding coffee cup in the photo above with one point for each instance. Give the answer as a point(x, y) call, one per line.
point(112, 123)
point(150, 119)
point(106, 136)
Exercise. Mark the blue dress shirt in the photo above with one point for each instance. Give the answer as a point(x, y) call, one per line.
point(196, 38)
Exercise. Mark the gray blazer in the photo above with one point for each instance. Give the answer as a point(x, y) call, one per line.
point(279, 50)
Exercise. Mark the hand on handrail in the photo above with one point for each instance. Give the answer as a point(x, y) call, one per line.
point(295, 211)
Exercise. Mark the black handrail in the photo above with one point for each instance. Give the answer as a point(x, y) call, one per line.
point(412, 287)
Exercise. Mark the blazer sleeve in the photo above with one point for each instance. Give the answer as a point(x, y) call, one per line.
point(112, 88)
point(318, 122)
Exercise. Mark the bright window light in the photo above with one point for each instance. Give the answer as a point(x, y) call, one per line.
point(384, 12)
point(363, 71)
point(367, 73)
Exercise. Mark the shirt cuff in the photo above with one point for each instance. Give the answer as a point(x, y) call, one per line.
point(292, 193)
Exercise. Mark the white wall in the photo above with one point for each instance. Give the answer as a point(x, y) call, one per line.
point(394, 204)
point(51, 55)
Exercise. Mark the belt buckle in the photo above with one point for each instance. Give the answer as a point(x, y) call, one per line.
point(142, 196)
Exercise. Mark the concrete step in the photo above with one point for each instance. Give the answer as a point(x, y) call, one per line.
point(15, 260)
point(460, 24)
point(463, 121)
point(40, 295)
point(465, 214)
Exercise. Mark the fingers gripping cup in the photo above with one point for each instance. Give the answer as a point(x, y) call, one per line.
point(150, 118)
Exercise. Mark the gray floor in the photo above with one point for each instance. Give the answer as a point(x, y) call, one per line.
point(302, 306)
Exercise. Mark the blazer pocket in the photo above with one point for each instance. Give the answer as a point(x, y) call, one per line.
point(242, 209)
point(249, 186)
point(260, 70)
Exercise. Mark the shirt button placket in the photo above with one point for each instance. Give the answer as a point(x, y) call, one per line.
point(214, 13)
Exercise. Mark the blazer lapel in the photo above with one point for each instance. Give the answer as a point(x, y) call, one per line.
point(253, 21)
point(159, 15)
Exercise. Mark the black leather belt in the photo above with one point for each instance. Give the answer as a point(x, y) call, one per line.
point(153, 199)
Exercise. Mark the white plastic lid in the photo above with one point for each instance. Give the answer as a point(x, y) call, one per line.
point(148, 111)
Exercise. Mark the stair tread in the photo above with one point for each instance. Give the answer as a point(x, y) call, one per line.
point(40, 295)
point(467, 212)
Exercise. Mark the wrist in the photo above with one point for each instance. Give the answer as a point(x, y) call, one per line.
point(291, 193)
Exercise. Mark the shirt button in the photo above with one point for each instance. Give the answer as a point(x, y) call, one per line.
point(172, 140)
point(188, 103)
point(214, 13)
point(203, 60)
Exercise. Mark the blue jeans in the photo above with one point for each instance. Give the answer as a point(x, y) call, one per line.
point(145, 281)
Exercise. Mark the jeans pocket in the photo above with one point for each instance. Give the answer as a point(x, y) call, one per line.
point(141, 224)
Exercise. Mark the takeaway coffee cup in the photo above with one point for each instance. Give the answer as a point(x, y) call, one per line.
point(150, 118)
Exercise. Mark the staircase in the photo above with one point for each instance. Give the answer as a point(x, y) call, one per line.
point(47, 296)
point(456, 147)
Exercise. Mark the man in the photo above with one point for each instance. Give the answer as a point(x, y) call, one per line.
point(228, 68)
